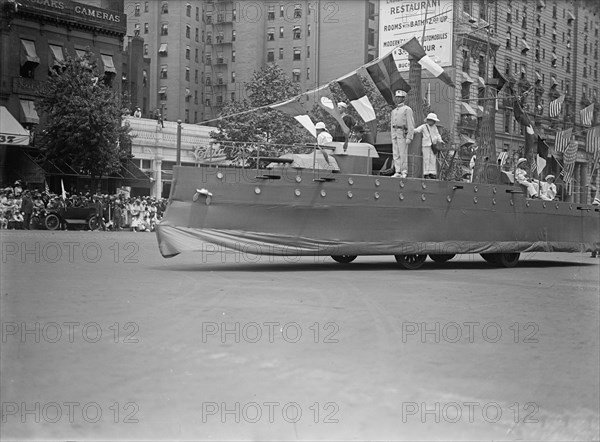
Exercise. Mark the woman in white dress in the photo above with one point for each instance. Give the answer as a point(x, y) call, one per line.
point(431, 135)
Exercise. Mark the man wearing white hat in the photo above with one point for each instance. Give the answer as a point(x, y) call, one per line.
point(431, 136)
point(548, 189)
point(521, 178)
point(402, 129)
point(323, 136)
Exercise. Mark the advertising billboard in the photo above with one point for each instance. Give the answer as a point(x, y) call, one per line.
point(401, 20)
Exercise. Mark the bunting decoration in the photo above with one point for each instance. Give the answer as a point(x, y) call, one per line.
point(294, 108)
point(415, 50)
point(561, 142)
point(569, 158)
point(387, 78)
point(357, 95)
point(556, 106)
point(587, 114)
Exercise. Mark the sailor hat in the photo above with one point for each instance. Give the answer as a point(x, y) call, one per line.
point(342, 104)
point(521, 160)
point(320, 125)
point(550, 176)
point(400, 93)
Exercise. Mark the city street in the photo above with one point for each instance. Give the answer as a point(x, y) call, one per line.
point(102, 338)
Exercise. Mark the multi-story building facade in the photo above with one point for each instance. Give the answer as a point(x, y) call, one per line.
point(203, 52)
point(545, 49)
point(35, 37)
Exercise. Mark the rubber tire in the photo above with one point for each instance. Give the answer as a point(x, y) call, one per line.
point(492, 258)
point(508, 260)
point(92, 224)
point(52, 222)
point(344, 259)
point(442, 257)
point(410, 262)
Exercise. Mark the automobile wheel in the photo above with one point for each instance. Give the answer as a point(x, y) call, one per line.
point(52, 222)
point(344, 259)
point(442, 258)
point(92, 223)
point(410, 262)
point(508, 260)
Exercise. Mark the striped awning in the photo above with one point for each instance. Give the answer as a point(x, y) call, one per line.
point(29, 114)
point(464, 78)
point(570, 16)
point(29, 54)
point(109, 65)
point(480, 82)
point(466, 108)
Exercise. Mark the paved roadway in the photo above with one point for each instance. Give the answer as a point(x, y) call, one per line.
point(102, 338)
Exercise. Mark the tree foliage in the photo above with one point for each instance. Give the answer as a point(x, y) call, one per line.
point(83, 120)
point(268, 86)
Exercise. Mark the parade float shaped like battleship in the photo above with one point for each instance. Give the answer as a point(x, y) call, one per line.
point(304, 205)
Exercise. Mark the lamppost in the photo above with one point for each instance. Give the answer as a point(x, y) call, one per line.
point(179, 142)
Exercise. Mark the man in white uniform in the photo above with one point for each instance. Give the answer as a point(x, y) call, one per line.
point(548, 190)
point(402, 129)
point(521, 178)
point(323, 136)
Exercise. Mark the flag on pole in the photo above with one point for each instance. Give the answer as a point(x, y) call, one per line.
point(294, 108)
point(592, 142)
point(587, 114)
point(415, 50)
point(387, 78)
point(46, 187)
point(502, 157)
point(556, 106)
point(357, 95)
point(542, 155)
point(561, 142)
point(520, 115)
point(569, 158)
point(499, 80)
point(62, 187)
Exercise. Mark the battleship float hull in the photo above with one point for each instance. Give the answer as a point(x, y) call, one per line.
point(294, 212)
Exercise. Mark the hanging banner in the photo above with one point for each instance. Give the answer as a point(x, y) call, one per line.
point(401, 20)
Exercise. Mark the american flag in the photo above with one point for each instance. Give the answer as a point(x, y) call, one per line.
point(562, 139)
point(569, 158)
point(502, 157)
point(592, 143)
point(556, 106)
point(587, 114)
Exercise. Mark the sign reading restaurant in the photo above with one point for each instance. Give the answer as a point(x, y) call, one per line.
point(401, 20)
point(77, 11)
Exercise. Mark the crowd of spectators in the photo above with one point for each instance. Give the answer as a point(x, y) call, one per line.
point(21, 208)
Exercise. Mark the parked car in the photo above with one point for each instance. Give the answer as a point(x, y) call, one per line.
point(71, 217)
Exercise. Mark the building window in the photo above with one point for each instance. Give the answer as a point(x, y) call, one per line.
point(188, 53)
point(233, 77)
point(146, 49)
point(196, 76)
point(308, 73)
point(281, 11)
point(208, 19)
point(271, 13)
point(232, 56)
point(188, 31)
point(146, 28)
point(270, 34)
point(208, 81)
point(233, 14)
point(209, 38)
point(297, 54)
point(466, 61)
point(207, 102)
point(163, 50)
point(137, 10)
point(308, 31)
point(233, 96)
point(196, 35)
point(208, 59)
point(165, 8)
point(297, 11)
point(220, 79)
point(196, 55)
point(187, 74)
point(297, 33)
point(144, 78)
point(296, 75)
point(136, 30)
point(146, 6)
point(465, 92)
point(281, 32)
point(482, 67)
point(164, 29)
point(308, 52)
point(467, 6)
point(371, 38)
point(164, 71)
point(188, 10)
point(371, 11)
point(507, 66)
point(197, 13)
point(233, 35)
point(281, 53)
point(270, 55)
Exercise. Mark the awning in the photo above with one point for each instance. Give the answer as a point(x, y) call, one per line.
point(11, 131)
point(554, 32)
point(480, 82)
point(554, 81)
point(464, 77)
point(541, 4)
point(80, 53)
point(57, 57)
point(188, 93)
point(538, 77)
point(554, 56)
point(163, 49)
point(28, 53)
point(479, 110)
point(163, 90)
point(467, 109)
point(295, 71)
point(525, 46)
point(109, 65)
point(466, 141)
point(570, 16)
point(29, 113)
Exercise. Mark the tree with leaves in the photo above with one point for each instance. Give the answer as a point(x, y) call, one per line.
point(240, 123)
point(83, 120)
